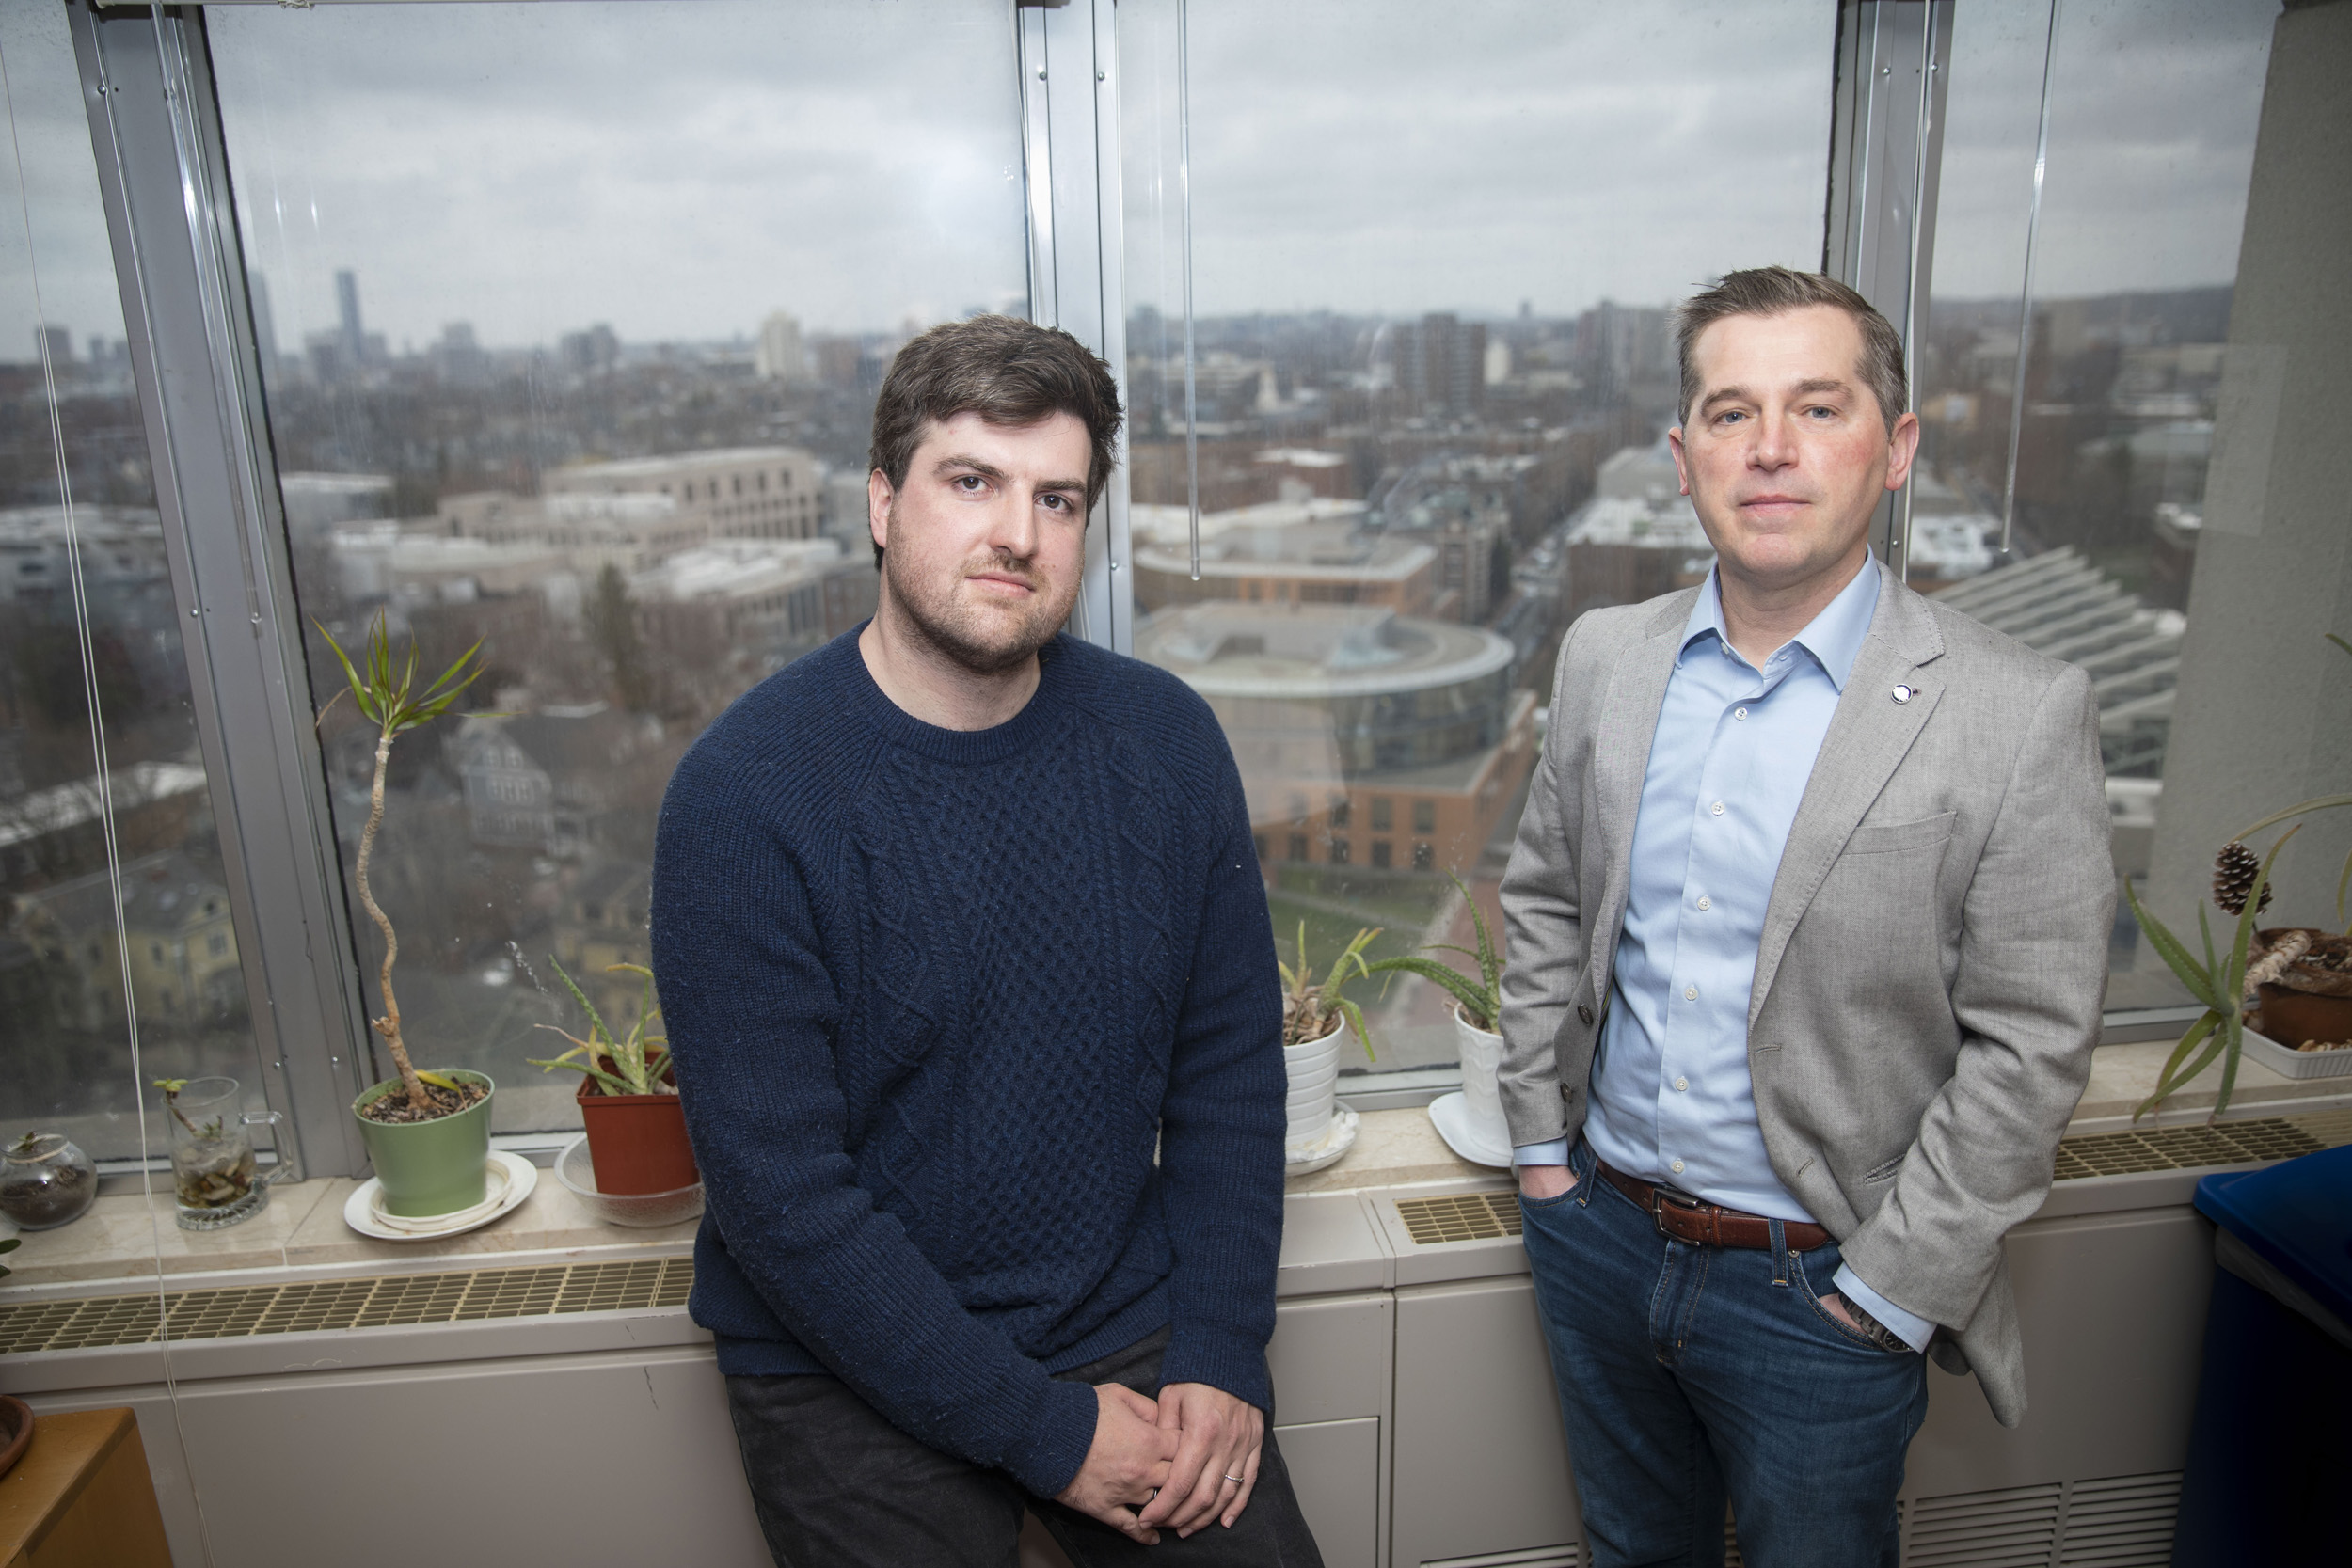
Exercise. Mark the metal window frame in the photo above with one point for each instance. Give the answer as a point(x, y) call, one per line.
point(1069, 62)
point(1887, 159)
point(163, 174)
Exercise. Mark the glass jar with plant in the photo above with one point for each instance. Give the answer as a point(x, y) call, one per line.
point(46, 1181)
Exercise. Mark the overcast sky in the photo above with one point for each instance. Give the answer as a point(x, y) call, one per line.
point(678, 170)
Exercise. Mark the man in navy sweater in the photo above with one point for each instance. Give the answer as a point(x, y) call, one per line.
point(967, 970)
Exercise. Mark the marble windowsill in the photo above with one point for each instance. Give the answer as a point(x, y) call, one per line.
point(129, 1236)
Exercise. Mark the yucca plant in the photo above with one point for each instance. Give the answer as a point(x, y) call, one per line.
point(1310, 1005)
point(1482, 998)
point(387, 697)
point(637, 1060)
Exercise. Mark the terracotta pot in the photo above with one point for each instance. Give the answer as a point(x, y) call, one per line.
point(2292, 1017)
point(16, 1431)
point(637, 1141)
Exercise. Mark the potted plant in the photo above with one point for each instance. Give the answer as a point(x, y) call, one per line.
point(1477, 1011)
point(427, 1132)
point(628, 1098)
point(2299, 976)
point(1315, 1019)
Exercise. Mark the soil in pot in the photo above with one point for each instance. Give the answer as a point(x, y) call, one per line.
point(393, 1109)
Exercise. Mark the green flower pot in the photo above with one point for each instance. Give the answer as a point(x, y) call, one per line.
point(431, 1167)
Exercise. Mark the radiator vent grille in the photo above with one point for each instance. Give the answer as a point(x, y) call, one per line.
point(1540, 1557)
point(2123, 1522)
point(2015, 1527)
point(1487, 1216)
point(2118, 1522)
point(325, 1306)
point(2230, 1143)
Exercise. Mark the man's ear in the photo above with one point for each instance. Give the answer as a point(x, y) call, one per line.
point(878, 494)
point(1673, 445)
point(1902, 447)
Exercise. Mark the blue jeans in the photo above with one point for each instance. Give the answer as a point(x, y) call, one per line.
point(1687, 1373)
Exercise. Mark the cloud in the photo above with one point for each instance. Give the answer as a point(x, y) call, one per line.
point(678, 171)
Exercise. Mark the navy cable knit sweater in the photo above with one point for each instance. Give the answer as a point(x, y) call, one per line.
point(935, 998)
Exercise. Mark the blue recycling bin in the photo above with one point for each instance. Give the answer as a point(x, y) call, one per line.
point(2270, 1448)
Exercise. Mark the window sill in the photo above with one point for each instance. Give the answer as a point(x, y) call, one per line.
point(124, 1235)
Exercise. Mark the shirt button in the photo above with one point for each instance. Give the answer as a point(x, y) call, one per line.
point(1675, 1168)
point(1739, 713)
point(1681, 1084)
point(1690, 993)
point(1705, 902)
point(1717, 808)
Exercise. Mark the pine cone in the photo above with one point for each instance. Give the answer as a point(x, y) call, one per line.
point(2234, 873)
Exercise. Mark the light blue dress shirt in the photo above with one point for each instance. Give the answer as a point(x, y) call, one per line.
point(1672, 1100)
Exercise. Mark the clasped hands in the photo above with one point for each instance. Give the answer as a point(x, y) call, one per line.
point(1168, 1463)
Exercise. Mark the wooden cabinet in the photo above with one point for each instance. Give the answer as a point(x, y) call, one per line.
point(80, 1497)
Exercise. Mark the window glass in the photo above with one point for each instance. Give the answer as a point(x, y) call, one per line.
point(571, 318)
point(1432, 255)
point(118, 960)
point(2151, 124)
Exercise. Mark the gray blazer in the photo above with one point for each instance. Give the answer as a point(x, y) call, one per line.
point(1933, 958)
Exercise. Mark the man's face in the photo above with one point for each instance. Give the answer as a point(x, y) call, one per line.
point(985, 543)
point(1784, 453)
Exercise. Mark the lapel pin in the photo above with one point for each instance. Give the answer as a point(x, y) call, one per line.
point(1902, 693)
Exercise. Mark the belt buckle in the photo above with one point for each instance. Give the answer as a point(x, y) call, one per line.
point(1660, 1195)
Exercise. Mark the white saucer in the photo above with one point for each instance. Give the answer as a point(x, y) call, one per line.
point(1301, 1155)
point(519, 1177)
point(1449, 1114)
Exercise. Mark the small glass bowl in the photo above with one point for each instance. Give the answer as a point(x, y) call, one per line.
point(577, 1170)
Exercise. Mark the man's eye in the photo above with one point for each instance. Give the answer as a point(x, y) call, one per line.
point(967, 482)
point(1729, 415)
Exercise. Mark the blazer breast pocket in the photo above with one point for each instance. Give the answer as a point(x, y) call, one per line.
point(1886, 838)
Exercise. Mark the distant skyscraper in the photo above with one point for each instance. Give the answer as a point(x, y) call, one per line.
point(54, 343)
point(354, 339)
point(779, 356)
point(265, 320)
point(1441, 365)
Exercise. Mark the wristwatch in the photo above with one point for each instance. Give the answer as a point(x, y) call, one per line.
point(1873, 1330)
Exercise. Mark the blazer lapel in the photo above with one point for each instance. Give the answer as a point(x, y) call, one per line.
point(1867, 737)
point(1621, 743)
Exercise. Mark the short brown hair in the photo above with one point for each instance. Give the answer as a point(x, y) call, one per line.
point(1007, 371)
point(1772, 291)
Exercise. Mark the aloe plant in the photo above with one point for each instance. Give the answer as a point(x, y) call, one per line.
point(638, 1059)
point(2220, 986)
point(1309, 1004)
point(391, 701)
point(1482, 998)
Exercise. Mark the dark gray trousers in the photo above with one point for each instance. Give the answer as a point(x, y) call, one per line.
point(837, 1486)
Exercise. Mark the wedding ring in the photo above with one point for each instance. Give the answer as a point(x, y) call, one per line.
point(1235, 1480)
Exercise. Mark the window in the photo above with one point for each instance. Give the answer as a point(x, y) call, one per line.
point(1338, 811)
point(877, 203)
point(1298, 846)
point(1338, 851)
point(108, 841)
point(1425, 816)
point(1381, 814)
point(1380, 853)
point(1424, 856)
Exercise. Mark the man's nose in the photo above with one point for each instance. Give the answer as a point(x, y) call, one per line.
point(1013, 525)
point(1771, 445)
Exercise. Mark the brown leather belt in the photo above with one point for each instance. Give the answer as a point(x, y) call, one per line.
point(1708, 1224)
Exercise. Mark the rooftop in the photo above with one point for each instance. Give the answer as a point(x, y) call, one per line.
point(1313, 652)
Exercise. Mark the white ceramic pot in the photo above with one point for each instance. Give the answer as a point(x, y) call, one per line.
point(1481, 1056)
point(1314, 1075)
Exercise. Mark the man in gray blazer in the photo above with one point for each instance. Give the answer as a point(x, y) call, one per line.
point(1807, 940)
